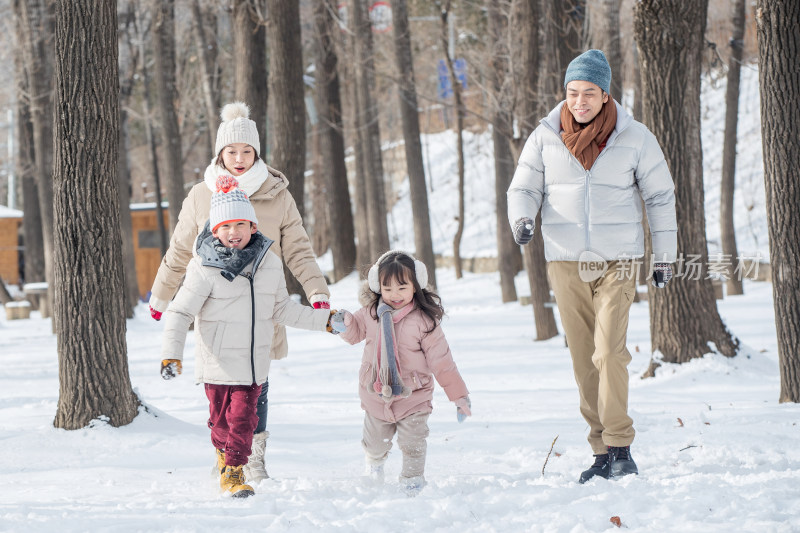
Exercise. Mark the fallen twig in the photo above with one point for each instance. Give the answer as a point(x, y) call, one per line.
point(548, 454)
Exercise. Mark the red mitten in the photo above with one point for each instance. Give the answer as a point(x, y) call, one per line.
point(320, 301)
point(155, 314)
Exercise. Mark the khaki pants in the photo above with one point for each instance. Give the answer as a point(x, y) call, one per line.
point(411, 434)
point(595, 319)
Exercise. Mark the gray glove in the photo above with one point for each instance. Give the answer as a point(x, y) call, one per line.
point(662, 273)
point(523, 230)
point(339, 321)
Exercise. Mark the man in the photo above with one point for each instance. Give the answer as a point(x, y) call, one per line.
point(586, 166)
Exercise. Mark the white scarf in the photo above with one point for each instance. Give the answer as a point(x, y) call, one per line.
point(249, 182)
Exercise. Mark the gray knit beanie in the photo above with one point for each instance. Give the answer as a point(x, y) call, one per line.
point(591, 66)
point(236, 127)
point(230, 203)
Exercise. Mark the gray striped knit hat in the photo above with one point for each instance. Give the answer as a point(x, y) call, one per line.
point(236, 127)
point(591, 66)
point(230, 203)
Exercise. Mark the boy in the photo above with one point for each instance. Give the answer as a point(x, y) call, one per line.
point(235, 292)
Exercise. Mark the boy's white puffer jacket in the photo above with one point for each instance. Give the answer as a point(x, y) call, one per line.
point(596, 210)
point(234, 320)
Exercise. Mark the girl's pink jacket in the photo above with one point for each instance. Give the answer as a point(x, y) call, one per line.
point(422, 356)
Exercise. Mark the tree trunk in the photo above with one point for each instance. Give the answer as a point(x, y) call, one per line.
point(24, 166)
point(778, 23)
point(207, 72)
point(250, 63)
point(570, 19)
point(684, 321)
point(37, 20)
point(368, 122)
point(603, 34)
point(127, 83)
point(364, 256)
point(150, 139)
point(500, 83)
point(530, 71)
point(331, 137)
point(407, 95)
point(164, 51)
point(320, 231)
point(289, 118)
point(92, 356)
point(728, 184)
point(458, 104)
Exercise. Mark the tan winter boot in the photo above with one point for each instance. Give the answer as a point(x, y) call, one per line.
point(255, 470)
point(219, 466)
point(232, 481)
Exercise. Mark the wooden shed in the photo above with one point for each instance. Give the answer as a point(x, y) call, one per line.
point(146, 243)
point(10, 222)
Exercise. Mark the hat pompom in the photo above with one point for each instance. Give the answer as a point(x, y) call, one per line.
point(234, 111)
point(226, 183)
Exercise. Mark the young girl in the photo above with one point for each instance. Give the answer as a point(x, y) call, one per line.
point(235, 292)
point(405, 347)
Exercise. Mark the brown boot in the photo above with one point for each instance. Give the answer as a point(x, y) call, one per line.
point(232, 481)
point(219, 466)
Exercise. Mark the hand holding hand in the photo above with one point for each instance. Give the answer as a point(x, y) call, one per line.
point(155, 314)
point(171, 368)
point(662, 273)
point(340, 320)
point(523, 230)
point(463, 410)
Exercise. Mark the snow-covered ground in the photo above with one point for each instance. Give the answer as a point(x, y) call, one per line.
point(715, 449)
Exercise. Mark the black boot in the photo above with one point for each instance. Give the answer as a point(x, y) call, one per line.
point(599, 468)
point(620, 461)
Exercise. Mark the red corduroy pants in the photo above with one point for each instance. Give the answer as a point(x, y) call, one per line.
point(232, 419)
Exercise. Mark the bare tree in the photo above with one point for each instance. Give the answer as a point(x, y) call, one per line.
point(778, 23)
point(368, 128)
point(127, 83)
point(728, 184)
point(37, 21)
point(92, 357)
point(207, 72)
point(458, 105)
point(331, 137)
point(286, 86)
point(602, 33)
point(148, 129)
point(164, 48)
point(250, 62)
point(533, 54)
point(25, 166)
point(407, 95)
point(670, 36)
point(508, 255)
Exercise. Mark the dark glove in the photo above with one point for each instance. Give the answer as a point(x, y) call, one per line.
point(662, 273)
point(155, 314)
point(463, 410)
point(340, 320)
point(523, 230)
point(171, 368)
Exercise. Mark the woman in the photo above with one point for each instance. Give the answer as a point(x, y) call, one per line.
point(237, 154)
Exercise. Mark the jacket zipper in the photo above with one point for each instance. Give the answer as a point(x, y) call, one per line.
point(252, 326)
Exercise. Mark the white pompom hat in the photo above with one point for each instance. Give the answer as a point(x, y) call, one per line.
point(236, 127)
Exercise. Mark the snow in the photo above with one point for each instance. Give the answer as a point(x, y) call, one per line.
point(715, 449)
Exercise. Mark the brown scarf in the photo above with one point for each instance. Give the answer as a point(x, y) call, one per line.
point(586, 142)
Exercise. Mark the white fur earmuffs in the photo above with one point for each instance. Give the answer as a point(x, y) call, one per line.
point(420, 271)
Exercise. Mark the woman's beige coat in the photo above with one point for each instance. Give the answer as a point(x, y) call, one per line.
point(278, 219)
